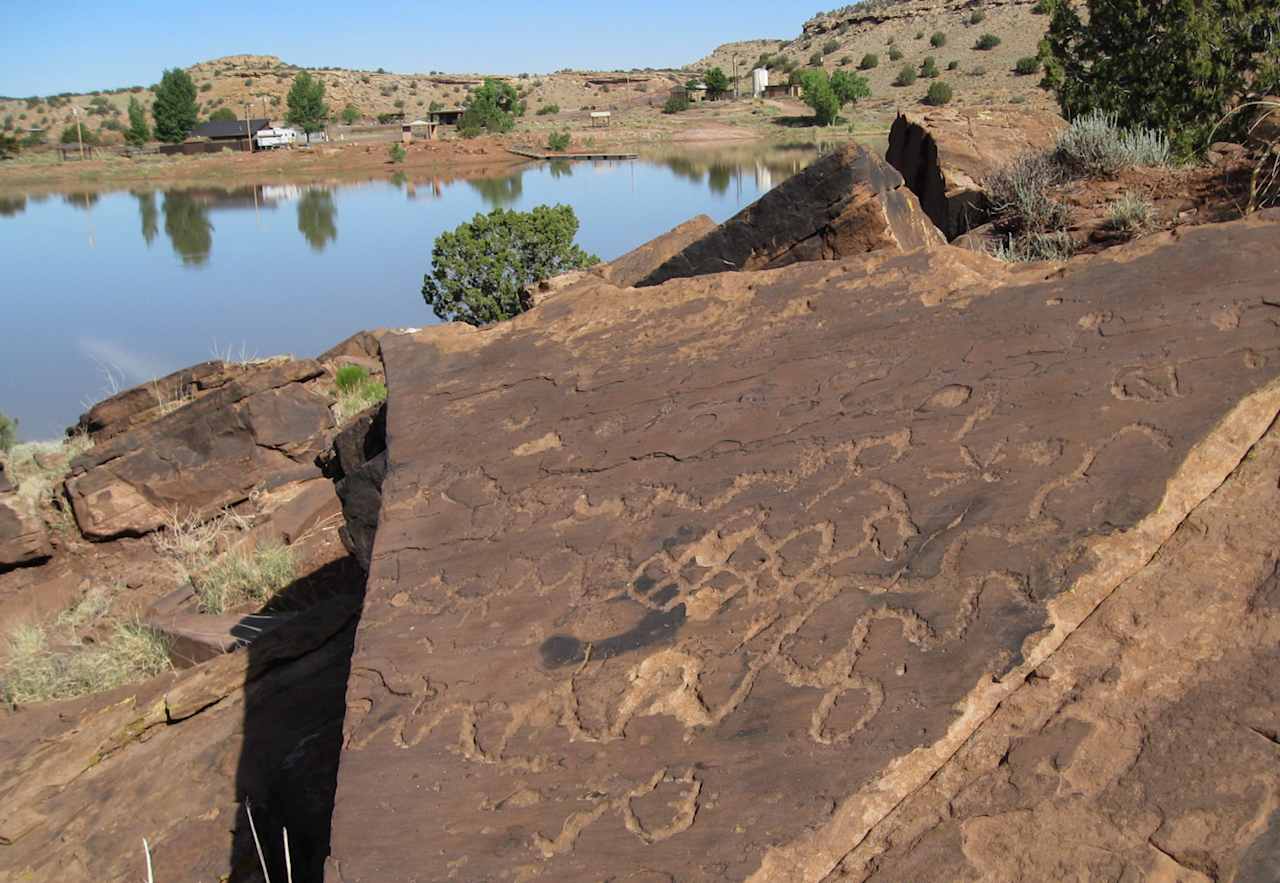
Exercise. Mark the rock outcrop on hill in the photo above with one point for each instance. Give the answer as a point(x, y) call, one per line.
point(847, 203)
point(945, 155)
point(266, 426)
point(905, 566)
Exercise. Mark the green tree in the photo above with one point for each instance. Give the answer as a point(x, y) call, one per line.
point(491, 108)
point(305, 101)
point(849, 87)
point(174, 108)
point(1177, 66)
point(481, 270)
point(138, 133)
point(223, 115)
point(9, 146)
point(717, 82)
point(70, 136)
point(818, 94)
point(397, 153)
point(350, 114)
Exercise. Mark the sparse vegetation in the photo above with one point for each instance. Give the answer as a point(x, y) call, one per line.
point(1021, 198)
point(548, 109)
point(676, 104)
point(929, 68)
point(895, 54)
point(225, 572)
point(938, 40)
point(869, 61)
point(356, 391)
point(906, 76)
point(977, 17)
point(43, 663)
point(939, 94)
point(223, 115)
point(830, 46)
point(482, 269)
point(1042, 7)
point(1027, 65)
point(350, 114)
point(987, 42)
point(396, 153)
point(953, 65)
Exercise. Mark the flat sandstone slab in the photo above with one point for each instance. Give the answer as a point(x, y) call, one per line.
point(700, 585)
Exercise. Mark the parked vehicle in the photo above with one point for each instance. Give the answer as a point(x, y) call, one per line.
point(273, 138)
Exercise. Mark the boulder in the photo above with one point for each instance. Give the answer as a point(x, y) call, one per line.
point(1264, 131)
point(195, 637)
point(847, 203)
point(268, 425)
point(628, 270)
point(945, 155)
point(362, 344)
point(24, 539)
point(703, 585)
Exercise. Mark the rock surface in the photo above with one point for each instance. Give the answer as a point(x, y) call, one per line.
point(140, 404)
point(830, 571)
point(945, 155)
point(847, 203)
point(266, 426)
point(628, 270)
point(357, 466)
point(24, 539)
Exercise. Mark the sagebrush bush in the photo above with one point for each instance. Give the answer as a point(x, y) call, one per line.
point(396, 153)
point(1020, 195)
point(1130, 214)
point(939, 94)
point(977, 17)
point(1033, 247)
point(676, 104)
point(895, 54)
point(869, 61)
point(953, 65)
point(1096, 144)
point(906, 76)
point(929, 68)
point(938, 40)
point(987, 41)
point(830, 46)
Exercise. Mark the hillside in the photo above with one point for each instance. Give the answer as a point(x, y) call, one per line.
point(843, 37)
point(261, 83)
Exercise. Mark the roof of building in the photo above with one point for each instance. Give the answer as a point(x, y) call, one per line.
point(228, 128)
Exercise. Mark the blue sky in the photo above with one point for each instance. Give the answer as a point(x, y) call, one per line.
point(74, 45)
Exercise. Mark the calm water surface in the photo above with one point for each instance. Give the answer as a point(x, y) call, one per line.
point(106, 290)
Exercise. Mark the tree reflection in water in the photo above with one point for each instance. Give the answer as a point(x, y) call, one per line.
point(316, 213)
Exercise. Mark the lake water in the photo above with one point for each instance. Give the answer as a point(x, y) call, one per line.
point(105, 290)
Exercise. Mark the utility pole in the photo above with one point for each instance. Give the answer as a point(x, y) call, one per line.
point(75, 111)
point(736, 96)
point(248, 129)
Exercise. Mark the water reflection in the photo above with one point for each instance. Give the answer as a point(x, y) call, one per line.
point(12, 205)
point(81, 200)
point(500, 192)
point(316, 214)
point(187, 224)
point(147, 214)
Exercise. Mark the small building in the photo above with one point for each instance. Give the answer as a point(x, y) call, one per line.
point(446, 116)
point(421, 128)
point(782, 90)
point(230, 133)
point(691, 93)
point(600, 119)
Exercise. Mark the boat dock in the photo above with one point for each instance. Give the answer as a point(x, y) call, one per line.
point(529, 153)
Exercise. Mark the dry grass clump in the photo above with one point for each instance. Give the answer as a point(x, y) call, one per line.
point(224, 575)
point(1021, 195)
point(36, 483)
point(1033, 247)
point(83, 651)
point(1130, 214)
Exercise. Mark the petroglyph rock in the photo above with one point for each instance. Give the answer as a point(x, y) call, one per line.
point(702, 585)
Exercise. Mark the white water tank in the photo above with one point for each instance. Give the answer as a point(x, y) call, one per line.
point(759, 82)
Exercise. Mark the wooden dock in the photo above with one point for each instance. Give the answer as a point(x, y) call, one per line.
point(543, 154)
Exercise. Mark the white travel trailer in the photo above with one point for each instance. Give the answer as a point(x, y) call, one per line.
point(270, 138)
